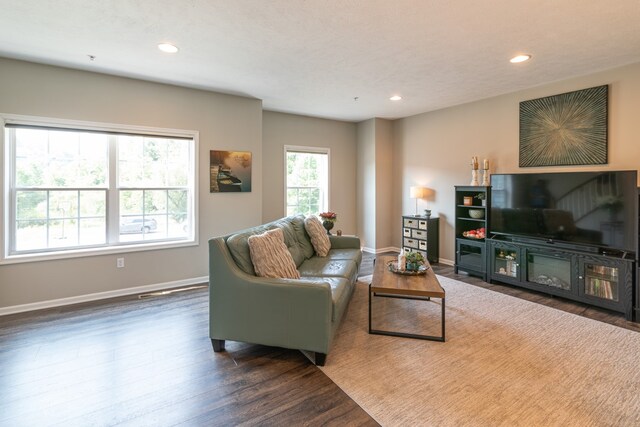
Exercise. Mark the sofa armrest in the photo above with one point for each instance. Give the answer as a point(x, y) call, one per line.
point(294, 313)
point(344, 242)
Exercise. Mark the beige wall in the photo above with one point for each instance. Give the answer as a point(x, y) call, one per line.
point(224, 122)
point(280, 129)
point(386, 226)
point(366, 189)
point(375, 184)
point(435, 148)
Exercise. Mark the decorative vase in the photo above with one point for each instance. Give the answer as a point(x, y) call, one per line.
point(412, 266)
point(474, 177)
point(486, 181)
point(427, 213)
point(328, 225)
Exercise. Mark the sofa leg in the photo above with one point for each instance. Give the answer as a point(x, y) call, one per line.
point(218, 345)
point(320, 359)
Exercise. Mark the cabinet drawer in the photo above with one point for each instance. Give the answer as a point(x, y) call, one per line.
point(410, 222)
point(422, 224)
point(418, 234)
point(422, 245)
point(406, 232)
point(411, 243)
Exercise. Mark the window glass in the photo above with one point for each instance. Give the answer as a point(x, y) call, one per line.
point(63, 196)
point(307, 178)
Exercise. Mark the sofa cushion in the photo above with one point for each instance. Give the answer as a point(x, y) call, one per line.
point(295, 238)
point(318, 235)
point(327, 267)
point(304, 242)
point(350, 254)
point(341, 290)
point(270, 256)
point(239, 248)
point(290, 238)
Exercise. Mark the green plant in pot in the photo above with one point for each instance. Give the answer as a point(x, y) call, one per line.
point(414, 261)
point(482, 197)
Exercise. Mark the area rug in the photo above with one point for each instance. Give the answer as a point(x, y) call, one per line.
point(506, 361)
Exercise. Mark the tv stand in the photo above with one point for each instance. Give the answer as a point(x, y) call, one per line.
point(556, 244)
point(588, 274)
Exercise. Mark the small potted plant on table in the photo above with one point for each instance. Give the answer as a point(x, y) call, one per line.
point(414, 261)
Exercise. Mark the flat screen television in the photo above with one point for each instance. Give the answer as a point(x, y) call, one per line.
point(599, 209)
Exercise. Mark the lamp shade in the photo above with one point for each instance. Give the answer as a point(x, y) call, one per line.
point(417, 192)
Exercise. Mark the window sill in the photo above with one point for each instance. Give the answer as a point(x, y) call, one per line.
point(81, 253)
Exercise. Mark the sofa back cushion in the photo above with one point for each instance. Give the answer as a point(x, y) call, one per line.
point(295, 238)
point(270, 256)
point(302, 238)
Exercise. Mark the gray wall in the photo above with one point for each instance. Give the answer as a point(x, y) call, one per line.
point(224, 122)
point(280, 129)
point(434, 149)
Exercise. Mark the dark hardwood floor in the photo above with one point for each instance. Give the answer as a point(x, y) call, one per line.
point(149, 361)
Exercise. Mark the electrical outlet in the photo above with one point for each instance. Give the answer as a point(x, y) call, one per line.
point(120, 262)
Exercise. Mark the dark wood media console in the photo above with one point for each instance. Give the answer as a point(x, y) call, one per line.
point(584, 274)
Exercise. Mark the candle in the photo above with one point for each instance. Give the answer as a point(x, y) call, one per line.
point(486, 164)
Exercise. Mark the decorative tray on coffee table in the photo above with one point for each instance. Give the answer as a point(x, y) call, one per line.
point(393, 267)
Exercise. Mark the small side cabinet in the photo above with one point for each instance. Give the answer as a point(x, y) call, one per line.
point(420, 234)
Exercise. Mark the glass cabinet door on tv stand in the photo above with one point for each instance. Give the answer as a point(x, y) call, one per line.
point(504, 262)
point(606, 283)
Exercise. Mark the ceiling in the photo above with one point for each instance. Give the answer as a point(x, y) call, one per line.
point(339, 59)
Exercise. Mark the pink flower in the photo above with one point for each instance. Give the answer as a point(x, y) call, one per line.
point(331, 216)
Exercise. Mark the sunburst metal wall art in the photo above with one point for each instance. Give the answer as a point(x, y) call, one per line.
point(566, 129)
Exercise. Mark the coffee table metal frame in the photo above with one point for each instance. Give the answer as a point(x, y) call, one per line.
point(414, 293)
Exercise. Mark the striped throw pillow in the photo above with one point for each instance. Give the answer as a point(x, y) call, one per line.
point(270, 256)
point(317, 233)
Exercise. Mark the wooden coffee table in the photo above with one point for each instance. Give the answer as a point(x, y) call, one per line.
point(386, 284)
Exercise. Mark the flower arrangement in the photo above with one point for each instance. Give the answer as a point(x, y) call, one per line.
point(415, 257)
point(328, 216)
point(414, 260)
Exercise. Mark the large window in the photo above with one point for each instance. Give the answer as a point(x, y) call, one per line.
point(74, 187)
point(307, 180)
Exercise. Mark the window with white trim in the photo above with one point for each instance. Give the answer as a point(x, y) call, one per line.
point(71, 186)
point(307, 180)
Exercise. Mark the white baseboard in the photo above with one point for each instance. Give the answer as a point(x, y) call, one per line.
point(100, 295)
point(445, 262)
point(381, 250)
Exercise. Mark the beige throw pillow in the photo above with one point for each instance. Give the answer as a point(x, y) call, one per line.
point(270, 256)
point(317, 233)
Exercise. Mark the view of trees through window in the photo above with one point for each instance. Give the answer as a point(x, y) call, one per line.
point(63, 187)
point(307, 182)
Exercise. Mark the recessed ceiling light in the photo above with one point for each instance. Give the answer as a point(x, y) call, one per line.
point(395, 98)
point(520, 58)
point(167, 47)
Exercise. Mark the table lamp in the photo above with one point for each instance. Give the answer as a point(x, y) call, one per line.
point(417, 192)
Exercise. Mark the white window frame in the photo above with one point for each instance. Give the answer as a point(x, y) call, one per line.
point(311, 150)
point(6, 184)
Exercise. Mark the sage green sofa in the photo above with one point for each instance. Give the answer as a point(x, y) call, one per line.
point(300, 313)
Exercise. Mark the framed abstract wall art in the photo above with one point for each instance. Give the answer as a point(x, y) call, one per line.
point(229, 171)
point(566, 129)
